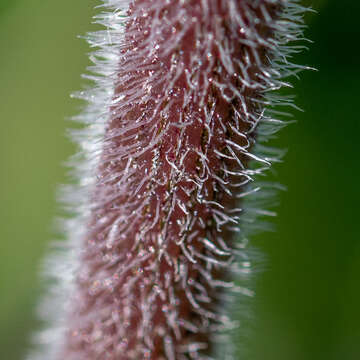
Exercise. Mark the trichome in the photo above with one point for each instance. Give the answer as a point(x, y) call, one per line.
point(182, 104)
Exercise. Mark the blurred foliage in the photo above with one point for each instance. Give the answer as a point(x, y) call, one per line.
point(5, 4)
point(307, 299)
point(41, 63)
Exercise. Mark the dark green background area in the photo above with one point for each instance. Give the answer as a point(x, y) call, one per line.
point(307, 303)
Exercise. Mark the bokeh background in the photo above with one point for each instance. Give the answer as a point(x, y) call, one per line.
point(307, 303)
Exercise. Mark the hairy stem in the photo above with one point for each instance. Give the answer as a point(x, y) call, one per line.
point(162, 242)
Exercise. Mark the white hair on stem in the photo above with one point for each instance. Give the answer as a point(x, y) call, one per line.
point(207, 254)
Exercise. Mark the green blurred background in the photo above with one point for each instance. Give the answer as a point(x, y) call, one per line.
point(308, 298)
